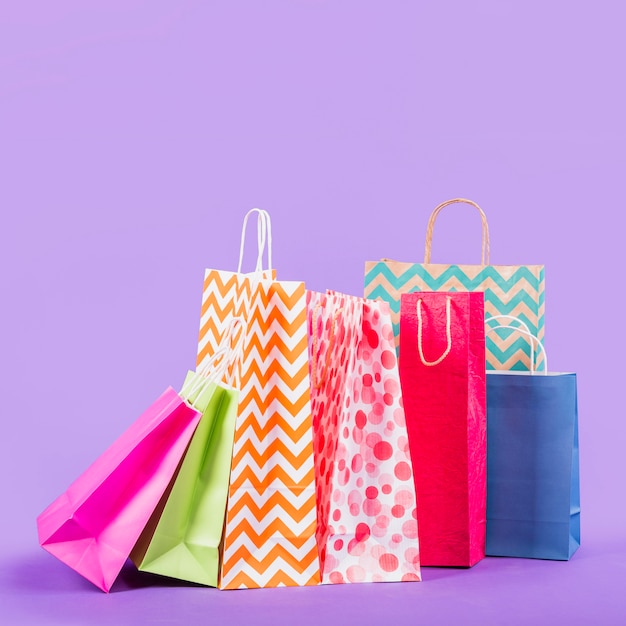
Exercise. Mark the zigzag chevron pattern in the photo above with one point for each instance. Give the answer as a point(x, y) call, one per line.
point(517, 290)
point(271, 517)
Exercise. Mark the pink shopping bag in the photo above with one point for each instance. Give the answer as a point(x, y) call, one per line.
point(94, 525)
point(366, 505)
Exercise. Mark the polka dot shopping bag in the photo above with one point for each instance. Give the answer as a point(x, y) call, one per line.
point(366, 505)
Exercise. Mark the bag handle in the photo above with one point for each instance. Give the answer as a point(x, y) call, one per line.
point(318, 382)
point(524, 330)
point(419, 335)
point(264, 234)
point(484, 258)
point(217, 366)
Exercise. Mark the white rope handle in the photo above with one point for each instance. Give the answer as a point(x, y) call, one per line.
point(198, 382)
point(218, 364)
point(511, 318)
point(232, 352)
point(264, 236)
point(419, 334)
point(524, 331)
point(236, 353)
point(201, 380)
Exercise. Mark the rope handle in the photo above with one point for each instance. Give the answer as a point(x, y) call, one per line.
point(419, 335)
point(217, 365)
point(484, 258)
point(264, 235)
point(524, 330)
point(318, 382)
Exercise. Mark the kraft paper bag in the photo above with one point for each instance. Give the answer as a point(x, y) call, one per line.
point(517, 290)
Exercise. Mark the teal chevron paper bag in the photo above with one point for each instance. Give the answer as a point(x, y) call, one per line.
point(516, 290)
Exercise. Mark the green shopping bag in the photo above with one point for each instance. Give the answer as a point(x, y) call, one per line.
point(183, 538)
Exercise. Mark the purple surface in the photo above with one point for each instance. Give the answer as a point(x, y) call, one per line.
point(135, 134)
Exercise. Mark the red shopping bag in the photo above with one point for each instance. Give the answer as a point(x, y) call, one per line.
point(366, 509)
point(442, 373)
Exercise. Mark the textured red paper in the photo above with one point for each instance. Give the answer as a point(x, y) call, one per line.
point(446, 423)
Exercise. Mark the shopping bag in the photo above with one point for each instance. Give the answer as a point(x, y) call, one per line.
point(269, 535)
point(183, 540)
point(442, 374)
point(94, 525)
point(366, 508)
point(516, 290)
point(533, 489)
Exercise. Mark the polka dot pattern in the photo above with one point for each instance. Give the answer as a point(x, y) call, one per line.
point(366, 515)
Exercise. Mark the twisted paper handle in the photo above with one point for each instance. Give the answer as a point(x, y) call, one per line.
point(431, 227)
point(264, 235)
point(419, 335)
point(217, 366)
point(525, 331)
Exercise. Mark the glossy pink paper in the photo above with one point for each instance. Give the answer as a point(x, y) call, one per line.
point(94, 525)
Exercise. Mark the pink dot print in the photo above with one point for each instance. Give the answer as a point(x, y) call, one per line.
point(360, 418)
point(371, 508)
point(373, 439)
point(410, 577)
point(356, 548)
point(388, 359)
point(382, 521)
point(397, 510)
point(362, 532)
point(355, 574)
point(399, 418)
point(402, 470)
point(355, 496)
point(362, 464)
point(404, 497)
point(412, 556)
point(389, 562)
point(391, 387)
point(409, 529)
point(371, 493)
point(383, 450)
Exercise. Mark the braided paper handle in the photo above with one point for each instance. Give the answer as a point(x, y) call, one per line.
point(431, 227)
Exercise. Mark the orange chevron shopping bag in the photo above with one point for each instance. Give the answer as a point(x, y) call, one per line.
point(269, 537)
point(509, 290)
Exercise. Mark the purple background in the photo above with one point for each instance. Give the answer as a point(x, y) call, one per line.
point(134, 135)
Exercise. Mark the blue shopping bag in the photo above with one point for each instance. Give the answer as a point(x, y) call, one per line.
point(533, 489)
